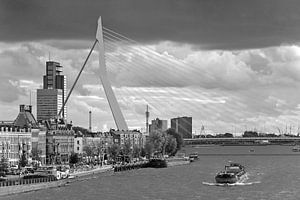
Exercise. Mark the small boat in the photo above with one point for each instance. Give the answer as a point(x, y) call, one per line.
point(193, 156)
point(233, 173)
point(296, 148)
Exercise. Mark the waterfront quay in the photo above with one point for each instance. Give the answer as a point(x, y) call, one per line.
point(34, 182)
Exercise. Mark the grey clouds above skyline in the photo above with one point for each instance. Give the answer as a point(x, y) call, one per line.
point(239, 59)
point(230, 24)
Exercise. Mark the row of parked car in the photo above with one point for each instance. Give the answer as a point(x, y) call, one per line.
point(59, 172)
point(15, 170)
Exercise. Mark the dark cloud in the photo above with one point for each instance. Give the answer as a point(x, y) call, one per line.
point(230, 24)
point(69, 44)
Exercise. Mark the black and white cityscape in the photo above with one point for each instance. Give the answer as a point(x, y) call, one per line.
point(149, 99)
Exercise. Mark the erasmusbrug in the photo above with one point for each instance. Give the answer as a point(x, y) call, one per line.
point(114, 106)
point(170, 91)
point(112, 40)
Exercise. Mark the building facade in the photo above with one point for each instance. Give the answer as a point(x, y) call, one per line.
point(14, 142)
point(102, 139)
point(78, 144)
point(59, 143)
point(135, 138)
point(98, 141)
point(41, 147)
point(158, 125)
point(49, 102)
point(50, 99)
point(182, 125)
point(16, 136)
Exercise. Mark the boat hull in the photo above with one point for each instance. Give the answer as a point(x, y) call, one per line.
point(226, 180)
point(229, 179)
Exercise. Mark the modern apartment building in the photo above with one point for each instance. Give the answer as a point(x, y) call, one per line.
point(182, 125)
point(158, 125)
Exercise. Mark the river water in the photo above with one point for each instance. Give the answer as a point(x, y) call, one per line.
point(273, 173)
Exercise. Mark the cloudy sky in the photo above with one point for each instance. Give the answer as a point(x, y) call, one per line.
point(232, 65)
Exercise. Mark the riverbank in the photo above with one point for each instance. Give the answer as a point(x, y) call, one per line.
point(124, 167)
point(36, 184)
point(97, 170)
point(16, 189)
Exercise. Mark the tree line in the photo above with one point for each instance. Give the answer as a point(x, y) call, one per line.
point(158, 143)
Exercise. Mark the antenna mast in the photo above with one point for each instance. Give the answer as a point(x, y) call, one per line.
point(147, 121)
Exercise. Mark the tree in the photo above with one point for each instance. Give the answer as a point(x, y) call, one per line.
point(143, 152)
point(178, 138)
point(36, 154)
point(228, 135)
point(136, 152)
point(3, 166)
point(127, 149)
point(89, 152)
point(149, 148)
point(250, 134)
point(73, 158)
point(171, 146)
point(23, 161)
point(84, 131)
point(114, 151)
point(157, 139)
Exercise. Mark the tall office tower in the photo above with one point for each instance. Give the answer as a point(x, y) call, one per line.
point(50, 99)
point(182, 125)
point(158, 125)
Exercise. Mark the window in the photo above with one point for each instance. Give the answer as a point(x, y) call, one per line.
point(77, 148)
point(78, 142)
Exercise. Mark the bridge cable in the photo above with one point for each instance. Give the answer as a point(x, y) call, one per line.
point(69, 94)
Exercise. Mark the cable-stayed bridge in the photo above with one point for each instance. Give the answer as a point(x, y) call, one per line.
point(142, 71)
point(171, 87)
point(243, 140)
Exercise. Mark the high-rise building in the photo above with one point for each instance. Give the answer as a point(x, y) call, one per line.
point(50, 99)
point(158, 125)
point(182, 125)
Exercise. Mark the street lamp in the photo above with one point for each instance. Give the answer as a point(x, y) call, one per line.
point(105, 151)
point(57, 153)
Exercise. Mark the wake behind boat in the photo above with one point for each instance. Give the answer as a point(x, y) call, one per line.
point(233, 173)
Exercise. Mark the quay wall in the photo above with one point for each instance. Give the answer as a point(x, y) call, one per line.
point(125, 167)
point(93, 171)
point(15, 189)
point(27, 185)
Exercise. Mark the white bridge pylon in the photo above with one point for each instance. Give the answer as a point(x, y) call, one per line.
point(112, 101)
point(114, 106)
